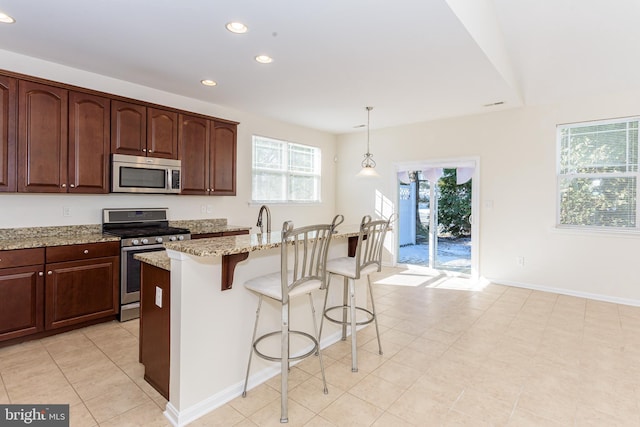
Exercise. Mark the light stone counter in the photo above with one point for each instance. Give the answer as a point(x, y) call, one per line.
point(158, 259)
point(230, 245)
point(221, 246)
point(205, 226)
point(38, 237)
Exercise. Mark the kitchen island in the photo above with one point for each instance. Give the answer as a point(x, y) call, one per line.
point(210, 328)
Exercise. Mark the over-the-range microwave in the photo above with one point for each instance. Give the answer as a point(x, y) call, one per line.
point(137, 174)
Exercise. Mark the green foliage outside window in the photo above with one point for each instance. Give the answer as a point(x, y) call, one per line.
point(454, 205)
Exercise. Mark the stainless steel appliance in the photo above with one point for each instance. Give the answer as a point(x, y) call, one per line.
point(140, 230)
point(136, 174)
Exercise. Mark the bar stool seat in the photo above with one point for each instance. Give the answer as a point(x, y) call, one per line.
point(367, 260)
point(307, 247)
point(270, 285)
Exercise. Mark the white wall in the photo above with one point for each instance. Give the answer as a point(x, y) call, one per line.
point(26, 210)
point(517, 152)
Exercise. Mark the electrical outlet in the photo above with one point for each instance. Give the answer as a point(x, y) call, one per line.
point(203, 209)
point(209, 209)
point(520, 261)
point(66, 211)
point(159, 296)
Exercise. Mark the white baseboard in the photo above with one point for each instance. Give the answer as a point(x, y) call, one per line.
point(562, 291)
point(187, 415)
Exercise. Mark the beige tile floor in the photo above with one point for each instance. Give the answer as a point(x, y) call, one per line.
point(453, 356)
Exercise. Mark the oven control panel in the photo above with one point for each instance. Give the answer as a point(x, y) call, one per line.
point(155, 240)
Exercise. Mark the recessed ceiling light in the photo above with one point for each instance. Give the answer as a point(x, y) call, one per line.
point(208, 82)
point(237, 27)
point(264, 59)
point(6, 18)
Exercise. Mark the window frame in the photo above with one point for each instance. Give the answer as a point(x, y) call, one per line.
point(560, 176)
point(316, 173)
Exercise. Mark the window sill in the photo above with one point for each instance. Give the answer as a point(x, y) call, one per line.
point(596, 232)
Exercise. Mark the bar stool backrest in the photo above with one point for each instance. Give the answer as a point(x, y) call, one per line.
point(370, 243)
point(309, 246)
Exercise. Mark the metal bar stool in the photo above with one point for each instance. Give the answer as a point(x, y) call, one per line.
point(367, 259)
point(308, 247)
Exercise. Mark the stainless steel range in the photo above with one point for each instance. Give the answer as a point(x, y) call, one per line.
point(140, 230)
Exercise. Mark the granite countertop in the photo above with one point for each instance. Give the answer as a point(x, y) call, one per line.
point(157, 259)
point(37, 237)
point(219, 246)
point(204, 226)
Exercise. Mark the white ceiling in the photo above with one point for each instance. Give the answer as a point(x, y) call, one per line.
point(413, 60)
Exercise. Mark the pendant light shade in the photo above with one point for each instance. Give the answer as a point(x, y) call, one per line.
point(368, 164)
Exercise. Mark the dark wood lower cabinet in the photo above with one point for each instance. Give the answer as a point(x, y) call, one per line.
point(80, 291)
point(50, 290)
point(155, 327)
point(21, 308)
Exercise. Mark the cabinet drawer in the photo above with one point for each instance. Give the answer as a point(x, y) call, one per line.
point(21, 257)
point(84, 251)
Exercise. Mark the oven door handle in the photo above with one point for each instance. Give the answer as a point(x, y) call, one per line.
point(138, 248)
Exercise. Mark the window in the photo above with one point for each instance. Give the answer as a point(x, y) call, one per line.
point(285, 172)
point(598, 174)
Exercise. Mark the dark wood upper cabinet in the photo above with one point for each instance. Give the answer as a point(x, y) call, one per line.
point(57, 138)
point(128, 128)
point(42, 138)
point(89, 125)
point(162, 133)
point(193, 151)
point(7, 134)
point(207, 150)
point(143, 131)
point(222, 157)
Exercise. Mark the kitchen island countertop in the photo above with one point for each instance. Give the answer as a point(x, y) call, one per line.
point(229, 245)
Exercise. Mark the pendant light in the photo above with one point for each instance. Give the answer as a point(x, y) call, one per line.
point(368, 164)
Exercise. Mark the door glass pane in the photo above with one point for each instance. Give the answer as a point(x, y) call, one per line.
point(435, 227)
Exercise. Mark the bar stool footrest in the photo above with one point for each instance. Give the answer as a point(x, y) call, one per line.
point(370, 316)
point(294, 358)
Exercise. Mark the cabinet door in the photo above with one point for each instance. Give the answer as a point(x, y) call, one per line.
point(89, 126)
point(79, 291)
point(42, 138)
point(222, 158)
point(162, 133)
point(21, 305)
point(193, 150)
point(128, 128)
point(7, 134)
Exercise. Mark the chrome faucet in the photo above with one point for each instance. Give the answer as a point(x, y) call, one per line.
point(264, 208)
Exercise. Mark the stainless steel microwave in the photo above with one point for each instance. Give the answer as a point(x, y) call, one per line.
point(137, 174)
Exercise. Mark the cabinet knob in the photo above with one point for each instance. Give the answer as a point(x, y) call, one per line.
point(151, 151)
point(72, 186)
point(86, 251)
point(64, 185)
point(40, 274)
point(144, 150)
point(49, 272)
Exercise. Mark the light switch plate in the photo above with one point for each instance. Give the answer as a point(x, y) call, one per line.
point(159, 296)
